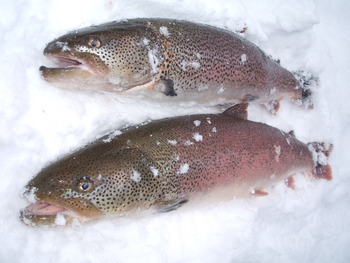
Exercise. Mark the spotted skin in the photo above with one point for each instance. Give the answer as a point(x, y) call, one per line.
point(169, 161)
point(205, 56)
point(190, 60)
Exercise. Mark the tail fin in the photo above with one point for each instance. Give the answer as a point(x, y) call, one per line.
point(307, 82)
point(320, 153)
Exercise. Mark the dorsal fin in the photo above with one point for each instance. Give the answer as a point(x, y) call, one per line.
point(238, 111)
point(291, 133)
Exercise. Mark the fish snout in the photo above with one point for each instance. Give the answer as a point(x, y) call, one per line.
point(56, 46)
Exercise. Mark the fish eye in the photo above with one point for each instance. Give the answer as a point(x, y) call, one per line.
point(85, 184)
point(94, 42)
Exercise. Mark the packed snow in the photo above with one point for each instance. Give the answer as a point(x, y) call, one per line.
point(40, 123)
point(172, 142)
point(197, 137)
point(184, 169)
point(164, 31)
point(197, 123)
point(136, 176)
point(154, 171)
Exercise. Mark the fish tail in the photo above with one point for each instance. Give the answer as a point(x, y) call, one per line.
point(307, 82)
point(320, 153)
point(306, 100)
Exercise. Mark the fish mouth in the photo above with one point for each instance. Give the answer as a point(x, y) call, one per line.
point(73, 69)
point(85, 71)
point(66, 62)
point(64, 66)
point(52, 213)
point(44, 209)
point(44, 213)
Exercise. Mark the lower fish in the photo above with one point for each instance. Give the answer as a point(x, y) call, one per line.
point(181, 59)
point(161, 165)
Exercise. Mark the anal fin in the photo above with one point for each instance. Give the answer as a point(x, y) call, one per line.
point(273, 106)
point(290, 182)
point(257, 192)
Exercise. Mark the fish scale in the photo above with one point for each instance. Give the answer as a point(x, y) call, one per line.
point(165, 163)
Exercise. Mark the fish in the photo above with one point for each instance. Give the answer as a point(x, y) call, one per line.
point(164, 164)
point(181, 59)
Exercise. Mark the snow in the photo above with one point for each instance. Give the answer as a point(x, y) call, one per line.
point(154, 171)
point(243, 58)
point(63, 45)
point(30, 195)
point(145, 41)
point(197, 123)
point(184, 168)
point(41, 123)
point(188, 143)
point(136, 176)
point(185, 65)
point(112, 135)
point(197, 137)
point(319, 156)
point(153, 60)
point(221, 90)
point(60, 220)
point(278, 152)
point(164, 31)
point(172, 142)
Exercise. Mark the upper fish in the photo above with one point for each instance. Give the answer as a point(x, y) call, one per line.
point(163, 164)
point(178, 58)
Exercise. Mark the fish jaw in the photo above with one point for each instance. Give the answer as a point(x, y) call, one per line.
point(73, 71)
point(74, 67)
point(44, 213)
point(44, 210)
point(66, 56)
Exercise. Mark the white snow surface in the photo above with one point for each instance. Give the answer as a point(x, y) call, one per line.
point(40, 123)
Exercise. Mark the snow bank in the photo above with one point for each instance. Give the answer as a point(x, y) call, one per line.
point(40, 123)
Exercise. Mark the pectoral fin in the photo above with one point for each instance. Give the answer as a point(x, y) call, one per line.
point(170, 205)
point(167, 87)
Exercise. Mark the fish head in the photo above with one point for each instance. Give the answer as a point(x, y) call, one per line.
point(61, 193)
point(89, 185)
point(112, 57)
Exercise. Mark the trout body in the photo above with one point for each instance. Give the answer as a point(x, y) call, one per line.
point(168, 162)
point(179, 58)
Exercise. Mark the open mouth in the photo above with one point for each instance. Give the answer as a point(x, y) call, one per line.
point(67, 69)
point(64, 63)
point(43, 209)
point(44, 213)
point(70, 69)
